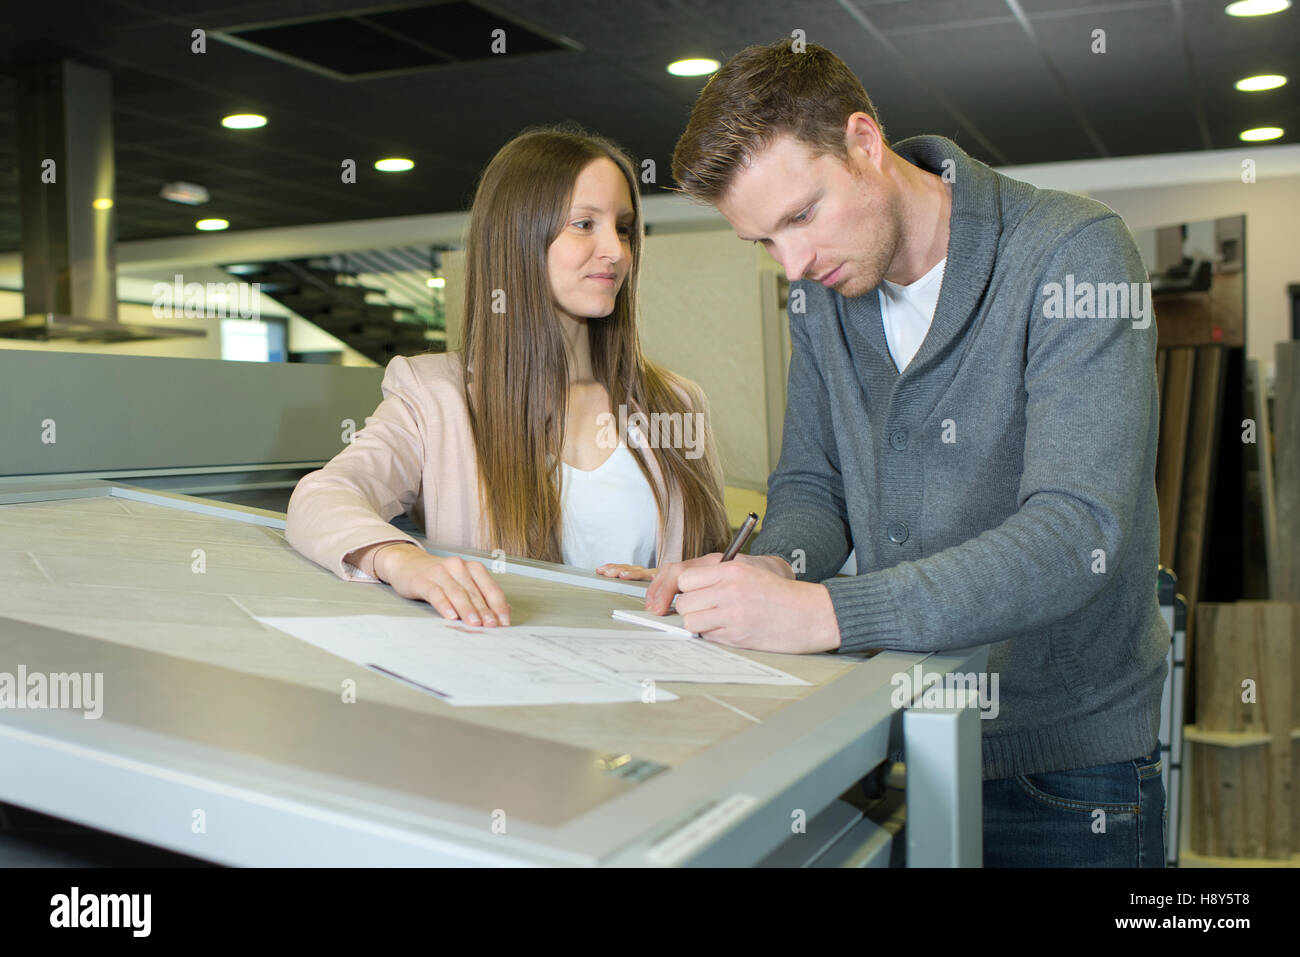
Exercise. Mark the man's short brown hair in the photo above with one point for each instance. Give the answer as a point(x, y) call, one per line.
point(760, 93)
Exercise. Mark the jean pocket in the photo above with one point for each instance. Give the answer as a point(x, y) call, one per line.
point(1112, 788)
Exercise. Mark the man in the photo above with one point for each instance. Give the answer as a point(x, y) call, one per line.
point(972, 410)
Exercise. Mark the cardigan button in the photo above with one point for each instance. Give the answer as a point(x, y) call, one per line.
point(897, 532)
point(898, 439)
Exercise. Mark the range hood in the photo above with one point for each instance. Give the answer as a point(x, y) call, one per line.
point(65, 174)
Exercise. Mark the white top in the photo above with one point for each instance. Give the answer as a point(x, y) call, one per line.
point(907, 312)
point(608, 514)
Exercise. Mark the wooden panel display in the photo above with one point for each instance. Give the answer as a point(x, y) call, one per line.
point(1160, 375)
point(1198, 475)
point(1243, 786)
point(1180, 367)
point(1285, 578)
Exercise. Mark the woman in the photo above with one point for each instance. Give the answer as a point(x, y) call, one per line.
point(508, 445)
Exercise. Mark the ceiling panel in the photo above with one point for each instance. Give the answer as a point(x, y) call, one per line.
point(1012, 82)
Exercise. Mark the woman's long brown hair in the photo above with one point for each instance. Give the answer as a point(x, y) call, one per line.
point(515, 365)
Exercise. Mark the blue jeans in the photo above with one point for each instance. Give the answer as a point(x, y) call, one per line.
point(1112, 815)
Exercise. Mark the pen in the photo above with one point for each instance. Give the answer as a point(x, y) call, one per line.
point(742, 536)
point(737, 543)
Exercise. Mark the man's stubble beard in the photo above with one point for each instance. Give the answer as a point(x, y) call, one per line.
point(882, 208)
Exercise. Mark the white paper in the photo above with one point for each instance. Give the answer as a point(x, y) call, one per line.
point(523, 665)
point(674, 625)
point(661, 657)
point(465, 665)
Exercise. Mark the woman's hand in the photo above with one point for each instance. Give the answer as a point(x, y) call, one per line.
point(630, 572)
point(457, 588)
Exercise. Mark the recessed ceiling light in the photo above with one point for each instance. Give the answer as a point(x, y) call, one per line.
point(437, 282)
point(190, 194)
point(393, 164)
point(209, 225)
point(243, 121)
point(1262, 133)
point(697, 67)
point(102, 204)
point(1255, 8)
point(1267, 81)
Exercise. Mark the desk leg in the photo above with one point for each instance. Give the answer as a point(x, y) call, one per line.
point(945, 788)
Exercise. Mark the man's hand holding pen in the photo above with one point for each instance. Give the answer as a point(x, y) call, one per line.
point(752, 602)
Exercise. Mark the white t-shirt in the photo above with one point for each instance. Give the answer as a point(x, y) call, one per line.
point(608, 514)
point(907, 312)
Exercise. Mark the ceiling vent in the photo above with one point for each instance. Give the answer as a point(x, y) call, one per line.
point(388, 42)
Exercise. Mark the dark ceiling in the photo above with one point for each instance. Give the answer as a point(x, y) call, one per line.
point(1012, 81)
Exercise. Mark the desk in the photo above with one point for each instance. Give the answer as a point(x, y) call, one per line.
point(232, 742)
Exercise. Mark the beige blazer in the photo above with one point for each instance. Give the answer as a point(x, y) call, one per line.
point(416, 455)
